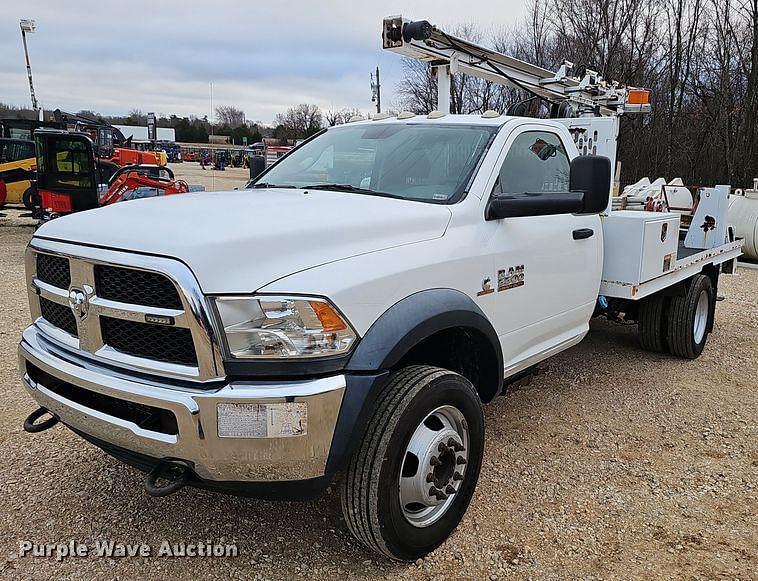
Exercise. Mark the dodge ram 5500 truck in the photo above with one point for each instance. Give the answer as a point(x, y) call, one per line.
point(349, 312)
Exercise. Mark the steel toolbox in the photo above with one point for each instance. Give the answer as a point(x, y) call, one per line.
point(639, 246)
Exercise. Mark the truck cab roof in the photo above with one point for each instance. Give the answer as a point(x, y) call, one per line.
point(438, 118)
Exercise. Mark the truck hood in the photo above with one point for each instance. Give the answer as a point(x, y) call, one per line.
point(242, 240)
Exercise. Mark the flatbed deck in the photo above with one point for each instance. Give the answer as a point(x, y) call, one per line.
point(689, 261)
point(684, 252)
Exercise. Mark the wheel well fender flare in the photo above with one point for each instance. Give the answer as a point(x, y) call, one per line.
point(415, 318)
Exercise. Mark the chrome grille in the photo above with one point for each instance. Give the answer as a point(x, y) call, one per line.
point(172, 344)
point(139, 312)
point(138, 287)
point(59, 316)
point(54, 270)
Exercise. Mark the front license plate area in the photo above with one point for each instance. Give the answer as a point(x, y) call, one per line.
point(262, 420)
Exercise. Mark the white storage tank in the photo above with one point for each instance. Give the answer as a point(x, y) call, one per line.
point(743, 216)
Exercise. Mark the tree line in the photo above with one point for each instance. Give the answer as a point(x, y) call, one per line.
point(699, 58)
point(296, 123)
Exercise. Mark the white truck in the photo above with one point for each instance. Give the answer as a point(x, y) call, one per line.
point(348, 314)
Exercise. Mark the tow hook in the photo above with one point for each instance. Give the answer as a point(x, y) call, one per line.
point(33, 428)
point(175, 472)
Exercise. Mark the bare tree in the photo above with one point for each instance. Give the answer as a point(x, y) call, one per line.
point(747, 28)
point(136, 117)
point(417, 90)
point(300, 121)
point(230, 116)
point(338, 117)
point(683, 19)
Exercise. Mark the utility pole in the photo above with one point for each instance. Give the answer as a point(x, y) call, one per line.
point(376, 91)
point(29, 26)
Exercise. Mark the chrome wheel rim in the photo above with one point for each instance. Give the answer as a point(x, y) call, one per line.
point(701, 317)
point(434, 466)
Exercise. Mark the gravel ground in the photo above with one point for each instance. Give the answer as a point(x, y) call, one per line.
point(613, 463)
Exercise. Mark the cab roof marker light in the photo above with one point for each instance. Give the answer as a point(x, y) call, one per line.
point(436, 115)
point(355, 118)
point(380, 116)
point(490, 114)
point(406, 115)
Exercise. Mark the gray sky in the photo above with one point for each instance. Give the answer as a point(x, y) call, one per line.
point(261, 56)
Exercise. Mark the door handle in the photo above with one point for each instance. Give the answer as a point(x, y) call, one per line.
point(582, 233)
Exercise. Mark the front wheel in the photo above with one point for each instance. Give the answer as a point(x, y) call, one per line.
point(412, 477)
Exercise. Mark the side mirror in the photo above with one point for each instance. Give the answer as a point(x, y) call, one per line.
point(589, 185)
point(533, 204)
point(257, 165)
point(591, 175)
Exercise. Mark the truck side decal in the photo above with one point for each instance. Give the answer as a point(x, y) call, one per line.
point(512, 278)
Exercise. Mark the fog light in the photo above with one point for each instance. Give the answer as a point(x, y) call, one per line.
point(262, 420)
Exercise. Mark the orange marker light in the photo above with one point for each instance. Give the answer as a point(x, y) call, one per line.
point(638, 97)
point(330, 320)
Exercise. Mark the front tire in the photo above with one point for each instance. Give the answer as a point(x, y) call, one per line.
point(412, 477)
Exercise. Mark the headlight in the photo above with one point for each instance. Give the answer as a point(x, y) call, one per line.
point(267, 327)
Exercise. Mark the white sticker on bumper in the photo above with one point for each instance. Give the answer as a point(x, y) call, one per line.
point(259, 420)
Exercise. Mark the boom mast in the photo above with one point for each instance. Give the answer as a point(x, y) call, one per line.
point(585, 93)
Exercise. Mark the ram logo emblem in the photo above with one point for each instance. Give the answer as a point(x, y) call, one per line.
point(78, 300)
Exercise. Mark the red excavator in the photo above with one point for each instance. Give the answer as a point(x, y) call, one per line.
point(127, 182)
point(71, 178)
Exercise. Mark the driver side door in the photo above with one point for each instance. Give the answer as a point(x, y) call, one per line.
point(546, 269)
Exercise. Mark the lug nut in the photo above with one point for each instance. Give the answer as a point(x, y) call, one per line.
point(437, 493)
point(441, 447)
point(430, 477)
point(457, 446)
point(460, 461)
point(450, 489)
point(434, 461)
point(457, 476)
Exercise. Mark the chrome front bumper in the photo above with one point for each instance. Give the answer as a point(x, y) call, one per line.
point(214, 458)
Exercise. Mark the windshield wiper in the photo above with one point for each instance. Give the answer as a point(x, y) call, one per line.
point(349, 188)
point(268, 185)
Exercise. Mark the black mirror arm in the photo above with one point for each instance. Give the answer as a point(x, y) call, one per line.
point(533, 204)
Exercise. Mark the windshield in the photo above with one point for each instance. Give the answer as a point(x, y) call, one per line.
point(430, 163)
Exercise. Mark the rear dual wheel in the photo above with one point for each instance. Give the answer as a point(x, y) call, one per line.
point(691, 318)
point(412, 477)
point(679, 324)
point(652, 323)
